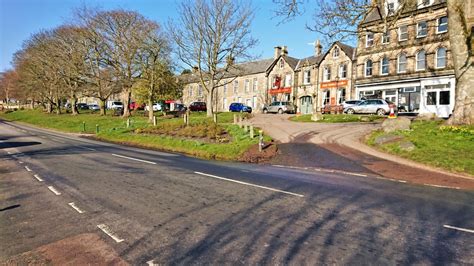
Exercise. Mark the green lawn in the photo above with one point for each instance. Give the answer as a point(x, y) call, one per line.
point(337, 118)
point(451, 148)
point(113, 128)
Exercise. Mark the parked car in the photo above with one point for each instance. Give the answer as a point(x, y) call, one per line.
point(155, 107)
point(115, 105)
point(94, 107)
point(136, 106)
point(372, 106)
point(279, 107)
point(350, 103)
point(240, 107)
point(198, 106)
point(180, 107)
point(82, 106)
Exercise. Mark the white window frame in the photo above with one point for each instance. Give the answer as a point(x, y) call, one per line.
point(335, 52)
point(235, 88)
point(200, 91)
point(418, 29)
point(437, 25)
point(288, 80)
point(247, 85)
point(327, 73)
point(418, 60)
point(255, 85)
point(445, 58)
point(371, 68)
point(282, 63)
point(398, 63)
point(225, 89)
point(385, 37)
point(307, 77)
point(422, 5)
point(400, 33)
point(382, 65)
point(190, 93)
point(367, 39)
point(343, 71)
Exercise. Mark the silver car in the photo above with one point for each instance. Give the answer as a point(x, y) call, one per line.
point(279, 107)
point(350, 103)
point(372, 106)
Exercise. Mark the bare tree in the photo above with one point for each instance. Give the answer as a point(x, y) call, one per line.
point(157, 80)
point(210, 35)
point(121, 34)
point(340, 19)
point(9, 86)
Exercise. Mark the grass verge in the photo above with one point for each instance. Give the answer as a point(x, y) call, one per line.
point(337, 118)
point(446, 147)
point(113, 129)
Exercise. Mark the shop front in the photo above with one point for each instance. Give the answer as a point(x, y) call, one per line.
point(333, 94)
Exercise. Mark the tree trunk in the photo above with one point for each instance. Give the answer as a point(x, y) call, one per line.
point(209, 103)
point(127, 93)
point(460, 38)
point(49, 107)
point(102, 106)
point(58, 105)
point(73, 101)
point(150, 109)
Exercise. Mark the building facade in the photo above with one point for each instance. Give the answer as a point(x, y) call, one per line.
point(409, 62)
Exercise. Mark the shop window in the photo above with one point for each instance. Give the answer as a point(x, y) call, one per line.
point(444, 97)
point(431, 98)
point(341, 95)
point(442, 25)
point(327, 98)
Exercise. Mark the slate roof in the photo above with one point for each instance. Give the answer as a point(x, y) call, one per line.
point(309, 61)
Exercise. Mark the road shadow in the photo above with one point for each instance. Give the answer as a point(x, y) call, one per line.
point(16, 144)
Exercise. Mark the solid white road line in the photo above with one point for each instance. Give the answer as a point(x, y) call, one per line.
point(249, 184)
point(27, 169)
point(75, 207)
point(134, 159)
point(54, 190)
point(459, 228)
point(107, 230)
point(38, 178)
point(20, 162)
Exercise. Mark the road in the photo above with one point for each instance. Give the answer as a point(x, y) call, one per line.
point(162, 208)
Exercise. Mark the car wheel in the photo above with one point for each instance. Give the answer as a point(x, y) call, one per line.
point(350, 111)
point(265, 111)
point(380, 112)
point(280, 111)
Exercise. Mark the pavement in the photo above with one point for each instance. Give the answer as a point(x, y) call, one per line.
point(70, 200)
point(339, 147)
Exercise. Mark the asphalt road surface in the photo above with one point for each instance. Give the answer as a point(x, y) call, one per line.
point(163, 208)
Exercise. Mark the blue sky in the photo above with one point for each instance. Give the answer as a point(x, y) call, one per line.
point(21, 18)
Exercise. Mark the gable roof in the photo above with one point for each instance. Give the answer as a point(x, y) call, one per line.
point(291, 61)
point(309, 61)
point(348, 50)
point(240, 69)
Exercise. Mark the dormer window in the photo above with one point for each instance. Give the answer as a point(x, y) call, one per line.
point(424, 3)
point(391, 6)
point(335, 52)
point(369, 39)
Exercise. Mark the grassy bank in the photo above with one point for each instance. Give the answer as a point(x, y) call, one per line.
point(336, 118)
point(451, 148)
point(112, 128)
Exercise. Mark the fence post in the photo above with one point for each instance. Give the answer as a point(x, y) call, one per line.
point(240, 121)
point(215, 118)
point(128, 122)
point(260, 141)
point(235, 119)
point(252, 134)
point(97, 128)
point(83, 126)
point(154, 121)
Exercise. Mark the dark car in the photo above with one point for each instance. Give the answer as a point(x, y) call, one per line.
point(82, 106)
point(239, 107)
point(198, 106)
point(180, 107)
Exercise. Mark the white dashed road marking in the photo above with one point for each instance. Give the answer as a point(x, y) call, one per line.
point(249, 184)
point(27, 169)
point(109, 232)
point(438, 186)
point(57, 193)
point(75, 207)
point(133, 159)
point(459, 228)
point(38, 178)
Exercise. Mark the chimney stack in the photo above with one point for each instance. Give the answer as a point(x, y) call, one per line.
point(277, 52)
point(318, 48)
point(284, 50)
